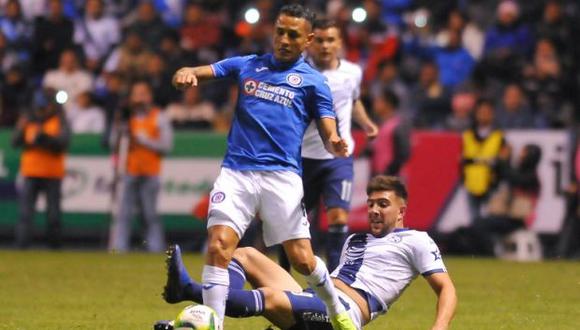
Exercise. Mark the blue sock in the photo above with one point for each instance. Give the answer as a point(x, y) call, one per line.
point(245, 303)
point(337, 234)
point(192, 290)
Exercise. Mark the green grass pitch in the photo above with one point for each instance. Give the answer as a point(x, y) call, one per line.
point(94, 290)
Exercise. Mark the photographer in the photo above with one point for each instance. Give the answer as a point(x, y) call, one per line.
point(44, 136)
point(142, 134)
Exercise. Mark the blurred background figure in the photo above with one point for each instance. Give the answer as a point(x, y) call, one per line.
point(69, 77)
point(85, 116)
point(149, 136)
point(192, 112)
point(514, 201)
point(513, 111)
point(44, 136)
point(481, 147)
point(461, 117)
point(392, 147)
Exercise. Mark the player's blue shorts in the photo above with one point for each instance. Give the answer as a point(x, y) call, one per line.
point(330, 179)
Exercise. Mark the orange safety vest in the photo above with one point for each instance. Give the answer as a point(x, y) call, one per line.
point(142, 160)
point(39, 162)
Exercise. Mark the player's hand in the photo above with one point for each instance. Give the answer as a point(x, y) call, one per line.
point(338, 147)
point(372, 130)
point(184, 78)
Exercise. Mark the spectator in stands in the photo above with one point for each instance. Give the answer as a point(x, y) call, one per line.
point(507, 43)
point(150, 136)
point(69, 77)
point(461, 117)
point(562, 31)
point(175, 57)
point(130, 58)
point(110, 98)
point(513, 203)
point(85, 116)
point(481, 147)
point(391, 149)
point(431, 100)
point(53, 33)
point(192, 112)
point(14, 96)
point(159, 77)
point(546, 85)
point(97, 33)
point(388, 78)
point(513, 111)
point(16, 29)
point(472, 38)
point(200, 32)
point(454, 62)
point(8, 57)
point(148, 25)
point(44, 136)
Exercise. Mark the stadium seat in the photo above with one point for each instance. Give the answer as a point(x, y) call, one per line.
point(521, 245)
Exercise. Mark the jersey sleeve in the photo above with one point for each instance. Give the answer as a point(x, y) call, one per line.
point(230, 67)
point(321, 100)
point(427, 257)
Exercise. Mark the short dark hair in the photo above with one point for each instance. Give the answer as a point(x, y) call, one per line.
point(299, 11)
point(324, 23)
point(388, 183)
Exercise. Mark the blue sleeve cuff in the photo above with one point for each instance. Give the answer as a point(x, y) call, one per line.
point(433, 271)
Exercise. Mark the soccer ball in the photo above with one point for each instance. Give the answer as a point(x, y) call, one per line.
point(198, 317)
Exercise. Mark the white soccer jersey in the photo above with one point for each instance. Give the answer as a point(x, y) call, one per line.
point(344, 83)
point(384, 267)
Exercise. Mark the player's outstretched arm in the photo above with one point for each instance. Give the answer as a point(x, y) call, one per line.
point(191, 76)
point(360, 116)
point(446, 299)
point(332, 142)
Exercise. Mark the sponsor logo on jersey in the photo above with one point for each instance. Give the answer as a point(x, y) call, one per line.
point(218, 197)
point(394, 238)
point(264, 68)
point(265, 91)
point(294, 79)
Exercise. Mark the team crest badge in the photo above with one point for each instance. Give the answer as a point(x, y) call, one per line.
point(218, 197)
point(394, 238)
point(250, 86)
point(294, 79)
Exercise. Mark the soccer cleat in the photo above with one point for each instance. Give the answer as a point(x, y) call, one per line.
point(163, 325)
point(177, 276)
point(342, 322)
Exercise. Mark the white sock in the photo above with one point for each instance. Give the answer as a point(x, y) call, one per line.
point(319, 280)
point(215, 287)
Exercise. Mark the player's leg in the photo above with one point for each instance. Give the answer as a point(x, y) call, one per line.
point(284, 220)
point(232, 208)
point(337, 196)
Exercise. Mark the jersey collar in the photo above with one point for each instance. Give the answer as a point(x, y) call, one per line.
point(275, 64)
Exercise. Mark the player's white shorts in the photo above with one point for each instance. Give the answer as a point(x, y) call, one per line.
point(275, 197)
point(354, 312)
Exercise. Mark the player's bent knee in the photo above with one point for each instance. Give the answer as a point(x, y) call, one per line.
point(244, 254)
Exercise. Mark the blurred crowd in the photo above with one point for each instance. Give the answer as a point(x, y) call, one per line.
point(437, 57)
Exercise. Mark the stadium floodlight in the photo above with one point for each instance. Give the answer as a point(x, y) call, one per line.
point(359, 15)
point(252, 15)
point(61, 97)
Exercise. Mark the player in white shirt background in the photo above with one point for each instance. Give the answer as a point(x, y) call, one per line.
point(325, 176)
point(375, 268)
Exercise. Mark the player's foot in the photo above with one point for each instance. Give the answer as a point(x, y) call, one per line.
point(342, 322)
point(163, 325)
point(177, 277)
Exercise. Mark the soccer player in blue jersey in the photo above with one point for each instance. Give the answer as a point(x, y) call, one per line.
point(325, 176)
point(374, 270)
point(280, 94)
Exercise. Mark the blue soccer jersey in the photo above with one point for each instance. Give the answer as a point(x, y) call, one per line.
point(276, 103)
